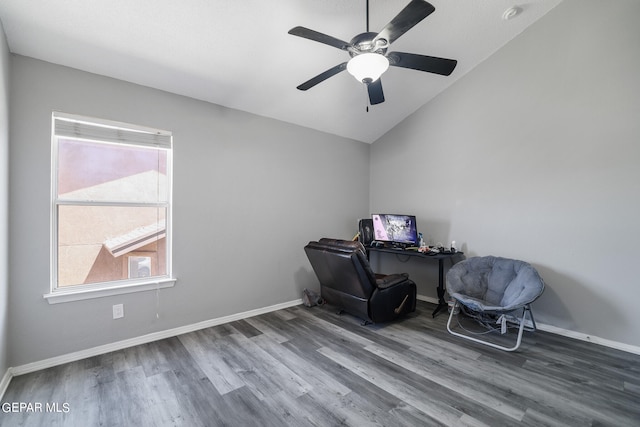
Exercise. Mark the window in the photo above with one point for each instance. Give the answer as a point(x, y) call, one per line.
point(111, 210)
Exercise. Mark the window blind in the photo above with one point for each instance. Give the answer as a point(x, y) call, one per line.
point(107, 131)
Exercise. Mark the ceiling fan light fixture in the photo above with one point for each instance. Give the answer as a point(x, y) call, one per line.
point(367, 67)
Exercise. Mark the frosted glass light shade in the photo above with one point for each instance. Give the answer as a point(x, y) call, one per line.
point(367, 66)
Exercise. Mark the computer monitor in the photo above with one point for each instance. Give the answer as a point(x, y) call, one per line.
point(395, 228)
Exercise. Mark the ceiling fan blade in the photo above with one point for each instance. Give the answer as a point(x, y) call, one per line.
point(319, 37)
point(413, 13)
point(323, 76)
point(430, 64)
point(376, 95)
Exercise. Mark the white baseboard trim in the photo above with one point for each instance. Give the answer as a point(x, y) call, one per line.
point(4, 383)
point(427, 299)
point(567, 333)
point(589, 338)
point(144, 339)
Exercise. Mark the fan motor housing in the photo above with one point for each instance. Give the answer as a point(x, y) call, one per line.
point(364, 43)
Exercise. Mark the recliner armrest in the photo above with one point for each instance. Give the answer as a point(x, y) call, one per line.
point(391, 280)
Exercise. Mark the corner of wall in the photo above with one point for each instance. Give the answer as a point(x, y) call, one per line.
point(4, 215)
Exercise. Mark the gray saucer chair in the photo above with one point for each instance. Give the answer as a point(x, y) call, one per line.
point(496, 290)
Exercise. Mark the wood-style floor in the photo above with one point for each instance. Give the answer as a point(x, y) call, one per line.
point(312, 367)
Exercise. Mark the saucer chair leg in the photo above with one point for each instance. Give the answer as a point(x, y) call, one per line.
point(522, 321)
point(533, 327)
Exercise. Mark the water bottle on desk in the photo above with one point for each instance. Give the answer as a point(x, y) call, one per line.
point(422, 246)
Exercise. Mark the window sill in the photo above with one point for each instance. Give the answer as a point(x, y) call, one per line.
point(68, 295)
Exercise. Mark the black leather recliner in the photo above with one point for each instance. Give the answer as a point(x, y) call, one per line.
point(347, 281)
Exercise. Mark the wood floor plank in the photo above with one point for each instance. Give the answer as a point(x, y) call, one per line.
point(267, 329)
point(243, 408)
point(245, 328)
point(316, 378)
point(313, 367)
point(397, 385)
point(210, 355)
point(198, 398)
point(168, 408)
point(437, 373)
point(264, 374)
point(384, 399)
point(407, 415)
point(632, 387)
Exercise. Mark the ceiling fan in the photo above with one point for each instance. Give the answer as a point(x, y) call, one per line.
point(368, 51)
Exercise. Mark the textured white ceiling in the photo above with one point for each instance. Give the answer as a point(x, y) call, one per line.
point(238, 53)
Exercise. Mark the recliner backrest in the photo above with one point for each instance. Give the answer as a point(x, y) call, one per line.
point(345, 245)
point(342, 265)
point(319, 262)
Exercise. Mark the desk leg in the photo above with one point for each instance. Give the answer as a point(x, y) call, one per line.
point(441, 302)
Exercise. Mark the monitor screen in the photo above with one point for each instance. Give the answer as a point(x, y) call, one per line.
point(395, 228)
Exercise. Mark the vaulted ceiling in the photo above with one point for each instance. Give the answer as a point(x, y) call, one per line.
point(238, 53)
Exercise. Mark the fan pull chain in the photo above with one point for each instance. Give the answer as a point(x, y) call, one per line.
point(366, 94)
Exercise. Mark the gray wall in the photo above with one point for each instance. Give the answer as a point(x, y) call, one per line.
point(4, 201)
point(535, 155)
point(249, 193)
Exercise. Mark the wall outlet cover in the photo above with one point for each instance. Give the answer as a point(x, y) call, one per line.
point(118, 311)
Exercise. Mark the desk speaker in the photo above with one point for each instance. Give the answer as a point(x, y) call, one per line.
point(365, 226)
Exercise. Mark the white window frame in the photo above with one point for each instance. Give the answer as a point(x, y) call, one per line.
point(71, 126)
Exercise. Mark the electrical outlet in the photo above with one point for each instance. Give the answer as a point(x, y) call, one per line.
point(118, 311)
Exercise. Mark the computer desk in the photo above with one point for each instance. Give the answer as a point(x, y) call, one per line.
point(441, 257)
